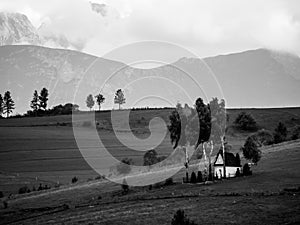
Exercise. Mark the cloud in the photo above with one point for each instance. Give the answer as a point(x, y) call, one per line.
point(206, 27)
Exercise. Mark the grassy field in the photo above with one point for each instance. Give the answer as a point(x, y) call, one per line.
point(270, 196)
point(44, 150)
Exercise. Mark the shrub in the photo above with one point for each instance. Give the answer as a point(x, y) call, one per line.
point(295, 133)
point(280, 133)
point(238, 172)
point(74, 180)
point(124, 166)
point(246, 170)
point(245, 122)
point(1, 194)
point(23, 190)
point(125, 186)
point(169, 181)
point(264, 137)
point(180, 218)
point(199, 177)
point(193, 178)
point(150, 158)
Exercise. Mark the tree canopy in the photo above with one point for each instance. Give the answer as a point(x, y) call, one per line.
point(251, 150)
point(245, 122)
point(119, 98)
point(90, 101)
point(99, 99)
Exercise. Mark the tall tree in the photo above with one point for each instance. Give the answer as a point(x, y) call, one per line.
point(1, 105)
point(204, 117)
point(280, 133)
point(251, 150)
point(90, 101)
point(184, 130)
point(8, 103)
point(43, 98)
point(99, 99)
point(218, 125)
point(34, 104)
point(119, 98)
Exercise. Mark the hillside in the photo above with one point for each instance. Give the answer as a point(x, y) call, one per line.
point(45, 147)
point(275, 180)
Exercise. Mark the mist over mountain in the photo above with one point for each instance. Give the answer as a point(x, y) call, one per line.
point(256, 78)
point(17, 29)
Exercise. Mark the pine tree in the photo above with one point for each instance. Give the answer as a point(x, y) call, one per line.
point(1, 105)
point(43, 98)
point(34, 104)
point(8, 103)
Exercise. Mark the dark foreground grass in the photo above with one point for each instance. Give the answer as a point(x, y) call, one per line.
point(270, 196)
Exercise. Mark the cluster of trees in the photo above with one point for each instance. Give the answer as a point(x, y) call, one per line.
point(251, 149)
point(245, 121)
point(39, 101)
point(203, 125)
point(6, 104)
point(119, 99)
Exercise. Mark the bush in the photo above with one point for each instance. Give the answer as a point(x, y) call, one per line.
point(295, 133)
point(24, 190)
point(238, 172)
point(246, 170)
point(280, 133)
point(74, 180)
point(169, 181)
point(180, 218)
point(193, 178)
point(245, 122)
point(125, 186)
point(124, 166)
point(264, 137)
point(199, 177)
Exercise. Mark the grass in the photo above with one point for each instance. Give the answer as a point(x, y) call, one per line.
point(42, 150)
point(270, 196)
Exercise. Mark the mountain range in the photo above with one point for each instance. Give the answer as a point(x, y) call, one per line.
point(254, 78)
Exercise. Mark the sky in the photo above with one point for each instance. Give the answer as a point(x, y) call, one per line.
point(206, 28)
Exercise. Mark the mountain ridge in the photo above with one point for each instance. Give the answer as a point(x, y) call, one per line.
point(248, 79)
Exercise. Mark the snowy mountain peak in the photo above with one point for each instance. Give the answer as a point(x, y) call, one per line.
point(15, 28)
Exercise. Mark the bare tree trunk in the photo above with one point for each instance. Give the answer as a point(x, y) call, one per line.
point(211, 151)
point(223, 150)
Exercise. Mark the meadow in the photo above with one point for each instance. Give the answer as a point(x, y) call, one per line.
point(36, 150)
